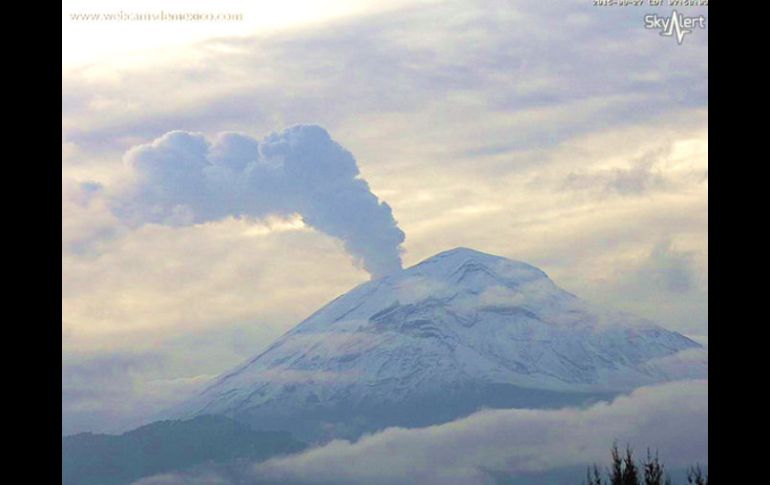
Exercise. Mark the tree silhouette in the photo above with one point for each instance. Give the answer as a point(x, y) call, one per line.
point(630, 471)
point(623, 470)
point(593, 477)
point(616, 467)
point(653, 470)
point(695, 476)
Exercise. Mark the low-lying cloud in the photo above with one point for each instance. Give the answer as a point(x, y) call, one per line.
point(182, 178)
point(671, 418)
point(511, 444)
point(111, 393)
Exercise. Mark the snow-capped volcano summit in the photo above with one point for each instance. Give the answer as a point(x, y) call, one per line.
point(458, 331)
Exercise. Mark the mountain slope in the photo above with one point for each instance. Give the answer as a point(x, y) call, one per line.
point(100, 459)
point(459, 331)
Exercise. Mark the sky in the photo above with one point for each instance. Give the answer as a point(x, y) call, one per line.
point(560, 134)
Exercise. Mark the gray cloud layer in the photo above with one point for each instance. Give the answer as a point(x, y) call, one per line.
point(516, 444)
point(182, 179)
point(566, 64)
point(111, 393)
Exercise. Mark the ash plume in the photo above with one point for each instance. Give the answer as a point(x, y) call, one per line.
point(182, 178)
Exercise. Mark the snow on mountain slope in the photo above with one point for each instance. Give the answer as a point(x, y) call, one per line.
point(460, 330)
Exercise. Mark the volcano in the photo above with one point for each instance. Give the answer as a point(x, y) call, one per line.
point(460, 331)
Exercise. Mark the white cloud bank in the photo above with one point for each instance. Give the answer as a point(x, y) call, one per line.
point(672, 418)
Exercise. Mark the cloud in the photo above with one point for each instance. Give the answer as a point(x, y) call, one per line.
point(536, 73)
point(112, 392)
point(507, 445)
point(637, 179)
point(686, 364)
point(672, 418)
point(207, 478)
point(183, 179)
point(85, 216)
point(669, 167)
point(205, 297)
point(668, 269)
point(663, 283)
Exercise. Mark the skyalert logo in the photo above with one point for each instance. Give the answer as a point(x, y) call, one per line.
point(675, 24)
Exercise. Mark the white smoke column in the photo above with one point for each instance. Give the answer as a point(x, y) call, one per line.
point(181, 178)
